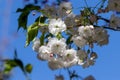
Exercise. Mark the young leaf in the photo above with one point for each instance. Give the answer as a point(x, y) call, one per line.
point(9, 65)
point(28, 7)
point(20, 64)
point(7, 68)
point(28, 68)
point(32, 32)
point(41, 19)
point(22, 20)
point(42, 39)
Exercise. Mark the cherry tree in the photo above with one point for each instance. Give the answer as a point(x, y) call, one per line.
point(64, 38)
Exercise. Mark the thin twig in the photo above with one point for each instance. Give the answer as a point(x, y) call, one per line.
point(117, 29)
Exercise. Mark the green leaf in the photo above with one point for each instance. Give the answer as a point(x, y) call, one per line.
point(22, 20)
point(41, 19)
point(7, 68)
point(42, 39)
point(28, 68)
point(9, 65)
point(28, 7)
point(32, 32)
point(20, 64)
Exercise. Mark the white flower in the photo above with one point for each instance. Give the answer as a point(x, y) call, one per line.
point(65, 9)
point(86, 31)
point(88, 63)
point(69, 21)
point(114, 5)
point(101, 36)
point(44, 53)
point(57, 46)
point(81, 54)
point(79, 41)
point(36, 44)
point(114, 21)
point(55, 64)
point(50, 11)
point(44, 49)
point(70, 57)
point(69, 54)
point(56, 26)
point(71, 63)
point(66, 5)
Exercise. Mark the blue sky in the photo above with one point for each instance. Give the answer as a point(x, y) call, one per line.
point(107, 66)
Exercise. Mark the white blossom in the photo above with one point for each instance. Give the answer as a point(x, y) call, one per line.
point(86, 31)
point(81, 54)
point(69, 21)
point(36, 44)
point(114, 21)
point(56, 26)
point(101, 36)
point(69, 54)
point(79, 41)
point(57, 46)
point(71, 63)
point(44, 53)
point(70, 57)
point(66, 5)
point(50, 11)
point(64, 9)
point(114, 5)
point(55, 64)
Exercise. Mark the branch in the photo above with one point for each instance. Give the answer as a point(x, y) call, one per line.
point(73, 74)
point(117, 28)
point(99, 17)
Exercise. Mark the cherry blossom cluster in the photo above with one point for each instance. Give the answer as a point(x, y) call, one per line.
point(73, 36)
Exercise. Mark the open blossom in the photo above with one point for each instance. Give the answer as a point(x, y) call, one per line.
point(79, 41)
point(114, 5)
point(50, 11)
point(57, 46)
point(101, 36)
point(55, 64)
point(64, 9)
point(86, 31)
point(69, 21)
point(44, 50)
point(69, 54)
point(70, 57)
point(70, 63)
point(114, 21)
point(66, 5)
point(44, 53)
point(56, 26)
point(36, 44)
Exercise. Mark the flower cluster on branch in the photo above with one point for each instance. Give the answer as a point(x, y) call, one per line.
point(68, 39)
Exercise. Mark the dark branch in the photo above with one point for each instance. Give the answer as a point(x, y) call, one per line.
point(99, 17)
point(114, 29)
